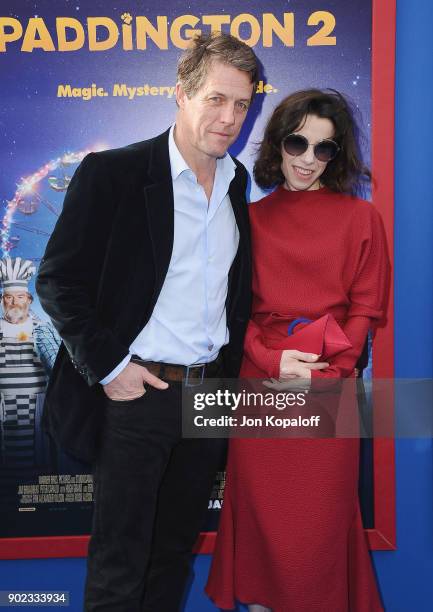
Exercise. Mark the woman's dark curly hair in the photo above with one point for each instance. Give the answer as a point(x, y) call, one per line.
point(346, 173)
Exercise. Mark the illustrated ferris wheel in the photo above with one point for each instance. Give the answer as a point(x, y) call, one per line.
point(30, 215)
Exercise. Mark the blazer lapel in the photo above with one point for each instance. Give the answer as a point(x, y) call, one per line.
point(160, 209)
point(238, 201)
point(240, 270)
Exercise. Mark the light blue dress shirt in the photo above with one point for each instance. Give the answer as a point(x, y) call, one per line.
point(188, 324)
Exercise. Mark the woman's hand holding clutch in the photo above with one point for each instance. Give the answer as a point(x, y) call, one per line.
point(296, 364)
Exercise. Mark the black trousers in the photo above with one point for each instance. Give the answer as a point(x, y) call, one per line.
point(151, 494)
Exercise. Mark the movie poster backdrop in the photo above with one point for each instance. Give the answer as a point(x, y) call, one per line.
point(80, 76)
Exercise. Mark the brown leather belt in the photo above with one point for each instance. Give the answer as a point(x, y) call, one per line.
point(191, 376)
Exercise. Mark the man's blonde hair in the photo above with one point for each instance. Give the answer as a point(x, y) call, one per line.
point(194, 63)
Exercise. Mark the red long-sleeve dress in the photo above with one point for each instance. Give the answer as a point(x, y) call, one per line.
point(290, 535)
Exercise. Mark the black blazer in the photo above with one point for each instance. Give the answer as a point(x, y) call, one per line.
point(103, 270)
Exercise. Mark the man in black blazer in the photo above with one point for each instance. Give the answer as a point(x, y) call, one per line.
point(147, 279)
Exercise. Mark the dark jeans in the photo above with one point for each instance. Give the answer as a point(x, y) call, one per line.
point(151, 494)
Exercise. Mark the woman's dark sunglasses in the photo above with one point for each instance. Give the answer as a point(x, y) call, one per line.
point(325, 150)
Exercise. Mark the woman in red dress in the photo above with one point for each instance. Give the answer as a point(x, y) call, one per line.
point(291, 537)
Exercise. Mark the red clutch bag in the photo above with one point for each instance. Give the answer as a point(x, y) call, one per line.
point(323, 336)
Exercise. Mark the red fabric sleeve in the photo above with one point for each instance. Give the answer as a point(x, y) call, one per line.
point(264, 358)
point(367, 295)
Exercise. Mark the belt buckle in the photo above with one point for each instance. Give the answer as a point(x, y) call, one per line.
point(199, 381)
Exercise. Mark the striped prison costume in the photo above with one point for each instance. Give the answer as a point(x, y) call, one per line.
point(22, 379)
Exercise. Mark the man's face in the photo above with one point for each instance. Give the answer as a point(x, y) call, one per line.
point(212, 118)
point(16, 306)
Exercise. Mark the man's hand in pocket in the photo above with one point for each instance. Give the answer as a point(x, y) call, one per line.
point(130, 383)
